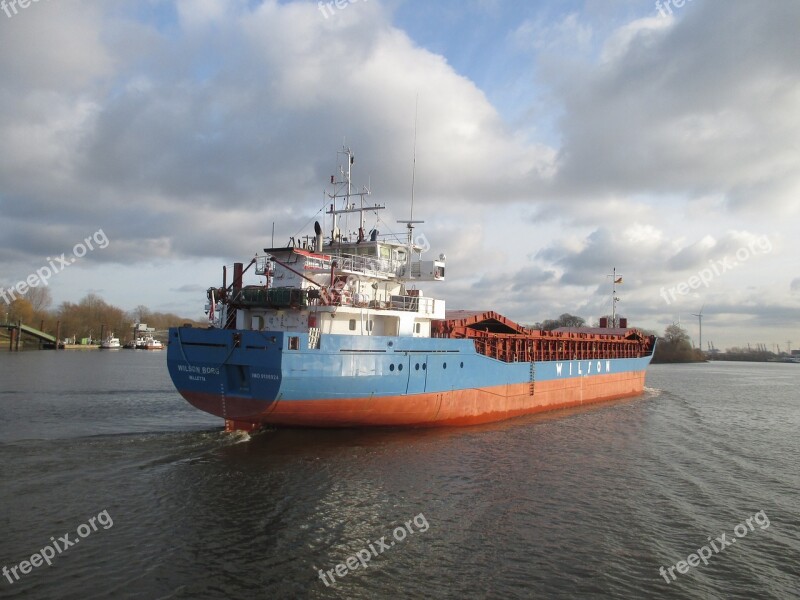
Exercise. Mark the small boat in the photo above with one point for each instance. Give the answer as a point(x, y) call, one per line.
point(151, 343)
point(143, 338)
point(110, 343)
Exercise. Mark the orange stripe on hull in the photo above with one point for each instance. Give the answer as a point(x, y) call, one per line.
point(453, 408)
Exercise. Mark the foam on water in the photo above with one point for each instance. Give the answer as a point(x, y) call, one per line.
point(589, 502)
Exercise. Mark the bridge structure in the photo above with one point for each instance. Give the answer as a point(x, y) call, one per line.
point(16, 330)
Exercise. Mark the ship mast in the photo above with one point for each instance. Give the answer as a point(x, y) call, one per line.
point(346, 183)
point(614, 299)
point(410, 222)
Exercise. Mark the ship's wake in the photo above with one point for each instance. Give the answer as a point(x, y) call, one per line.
point(236, 437)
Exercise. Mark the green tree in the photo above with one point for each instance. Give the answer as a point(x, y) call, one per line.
point(675, 334)
point(140, 314)
point(565, 320)
point(40, 298)
point(675, 347)
point(91, 315)
point(21, 310)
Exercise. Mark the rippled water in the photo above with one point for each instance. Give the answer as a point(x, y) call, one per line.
point(580, 503)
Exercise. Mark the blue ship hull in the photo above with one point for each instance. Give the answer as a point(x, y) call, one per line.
point(252, 378)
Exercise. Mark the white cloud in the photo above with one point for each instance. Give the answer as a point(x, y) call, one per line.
point(674, 143)
point(688, 109)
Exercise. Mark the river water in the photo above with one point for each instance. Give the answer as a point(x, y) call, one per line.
point(136, 494)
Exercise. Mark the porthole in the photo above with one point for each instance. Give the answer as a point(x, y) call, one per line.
point(391, 367)
point(416, 367)
point(424, 366)
point(444, 365)
point(462, 364)
point(400, 367)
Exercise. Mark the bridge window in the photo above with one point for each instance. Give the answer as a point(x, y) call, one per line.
point(294, 343)
point(352, 324)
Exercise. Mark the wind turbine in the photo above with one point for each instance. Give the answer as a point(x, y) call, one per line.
point(700, 319)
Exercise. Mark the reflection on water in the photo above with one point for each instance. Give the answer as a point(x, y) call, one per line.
point(580, 503)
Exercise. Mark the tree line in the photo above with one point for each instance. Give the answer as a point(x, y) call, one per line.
point(673, 347)
point(565, 320)
point(84, 319)
point(91, 315)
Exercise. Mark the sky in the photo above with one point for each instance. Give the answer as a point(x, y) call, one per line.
point(555, 141)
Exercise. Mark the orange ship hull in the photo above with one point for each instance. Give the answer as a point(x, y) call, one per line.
point(441, 409)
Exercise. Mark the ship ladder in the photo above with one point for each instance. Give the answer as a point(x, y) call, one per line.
point(533, 379)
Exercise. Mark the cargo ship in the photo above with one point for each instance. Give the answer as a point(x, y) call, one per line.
point(340, 334)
